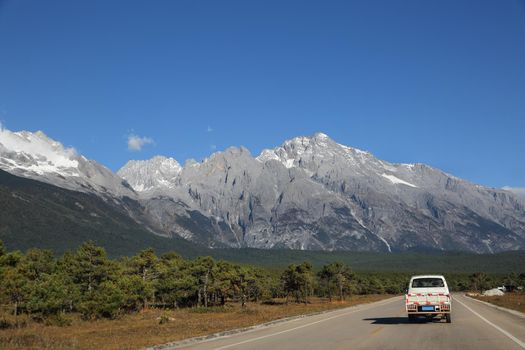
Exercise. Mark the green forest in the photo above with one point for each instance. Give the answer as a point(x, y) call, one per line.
point(87, 282)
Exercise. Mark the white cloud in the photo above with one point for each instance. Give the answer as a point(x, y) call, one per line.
point(135, 142)
point(517, 190)
point(209, 129)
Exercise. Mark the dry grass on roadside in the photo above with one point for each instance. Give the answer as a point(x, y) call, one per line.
point(144, 329)
point(514, 301)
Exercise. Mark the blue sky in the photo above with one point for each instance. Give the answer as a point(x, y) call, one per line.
point(437, 82)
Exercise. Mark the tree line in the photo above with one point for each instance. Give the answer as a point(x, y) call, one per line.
point(86, 281)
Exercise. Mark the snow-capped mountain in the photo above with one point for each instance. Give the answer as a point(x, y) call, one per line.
point(36, 156)
point(157, 172)
point(308, 193)
point(313, 193)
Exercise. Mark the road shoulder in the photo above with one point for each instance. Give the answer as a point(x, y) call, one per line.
point(513, 312)
point(493, 323)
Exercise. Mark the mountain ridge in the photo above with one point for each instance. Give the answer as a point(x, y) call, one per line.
point(309, 193)
point(358, 184)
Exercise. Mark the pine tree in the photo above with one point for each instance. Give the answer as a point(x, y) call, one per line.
point(90, 266)
point(53, 294)
point(298, 281)
point(176, 284)
point(145, 265)
point(203, 271)
point(16, 288)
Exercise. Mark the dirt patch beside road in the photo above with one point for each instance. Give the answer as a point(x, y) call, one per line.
point(158, 326)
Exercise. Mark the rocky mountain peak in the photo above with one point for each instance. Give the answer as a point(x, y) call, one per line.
point(310, 152)
point(37, 156)
point(231, 152)
point(154, 173)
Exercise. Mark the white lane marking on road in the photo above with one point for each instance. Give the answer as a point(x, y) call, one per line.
point(513, 338)
point(303, 326)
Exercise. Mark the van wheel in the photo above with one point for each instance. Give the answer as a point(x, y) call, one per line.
point(449, 319)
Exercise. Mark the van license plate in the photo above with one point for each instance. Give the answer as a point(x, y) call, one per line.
point(427, 308)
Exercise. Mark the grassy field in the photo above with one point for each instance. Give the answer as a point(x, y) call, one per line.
point(146, 329)
point(514, 301)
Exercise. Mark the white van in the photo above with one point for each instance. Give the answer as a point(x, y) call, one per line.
point(428, 295)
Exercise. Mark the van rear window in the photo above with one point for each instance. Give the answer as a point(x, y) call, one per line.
point(427, 283)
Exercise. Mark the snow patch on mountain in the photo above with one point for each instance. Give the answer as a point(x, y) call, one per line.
point(38, 153)
point(267, 155)
point(395, 180)
point(386, 243)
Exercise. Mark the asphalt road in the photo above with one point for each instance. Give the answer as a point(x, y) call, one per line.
point(384, 325)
